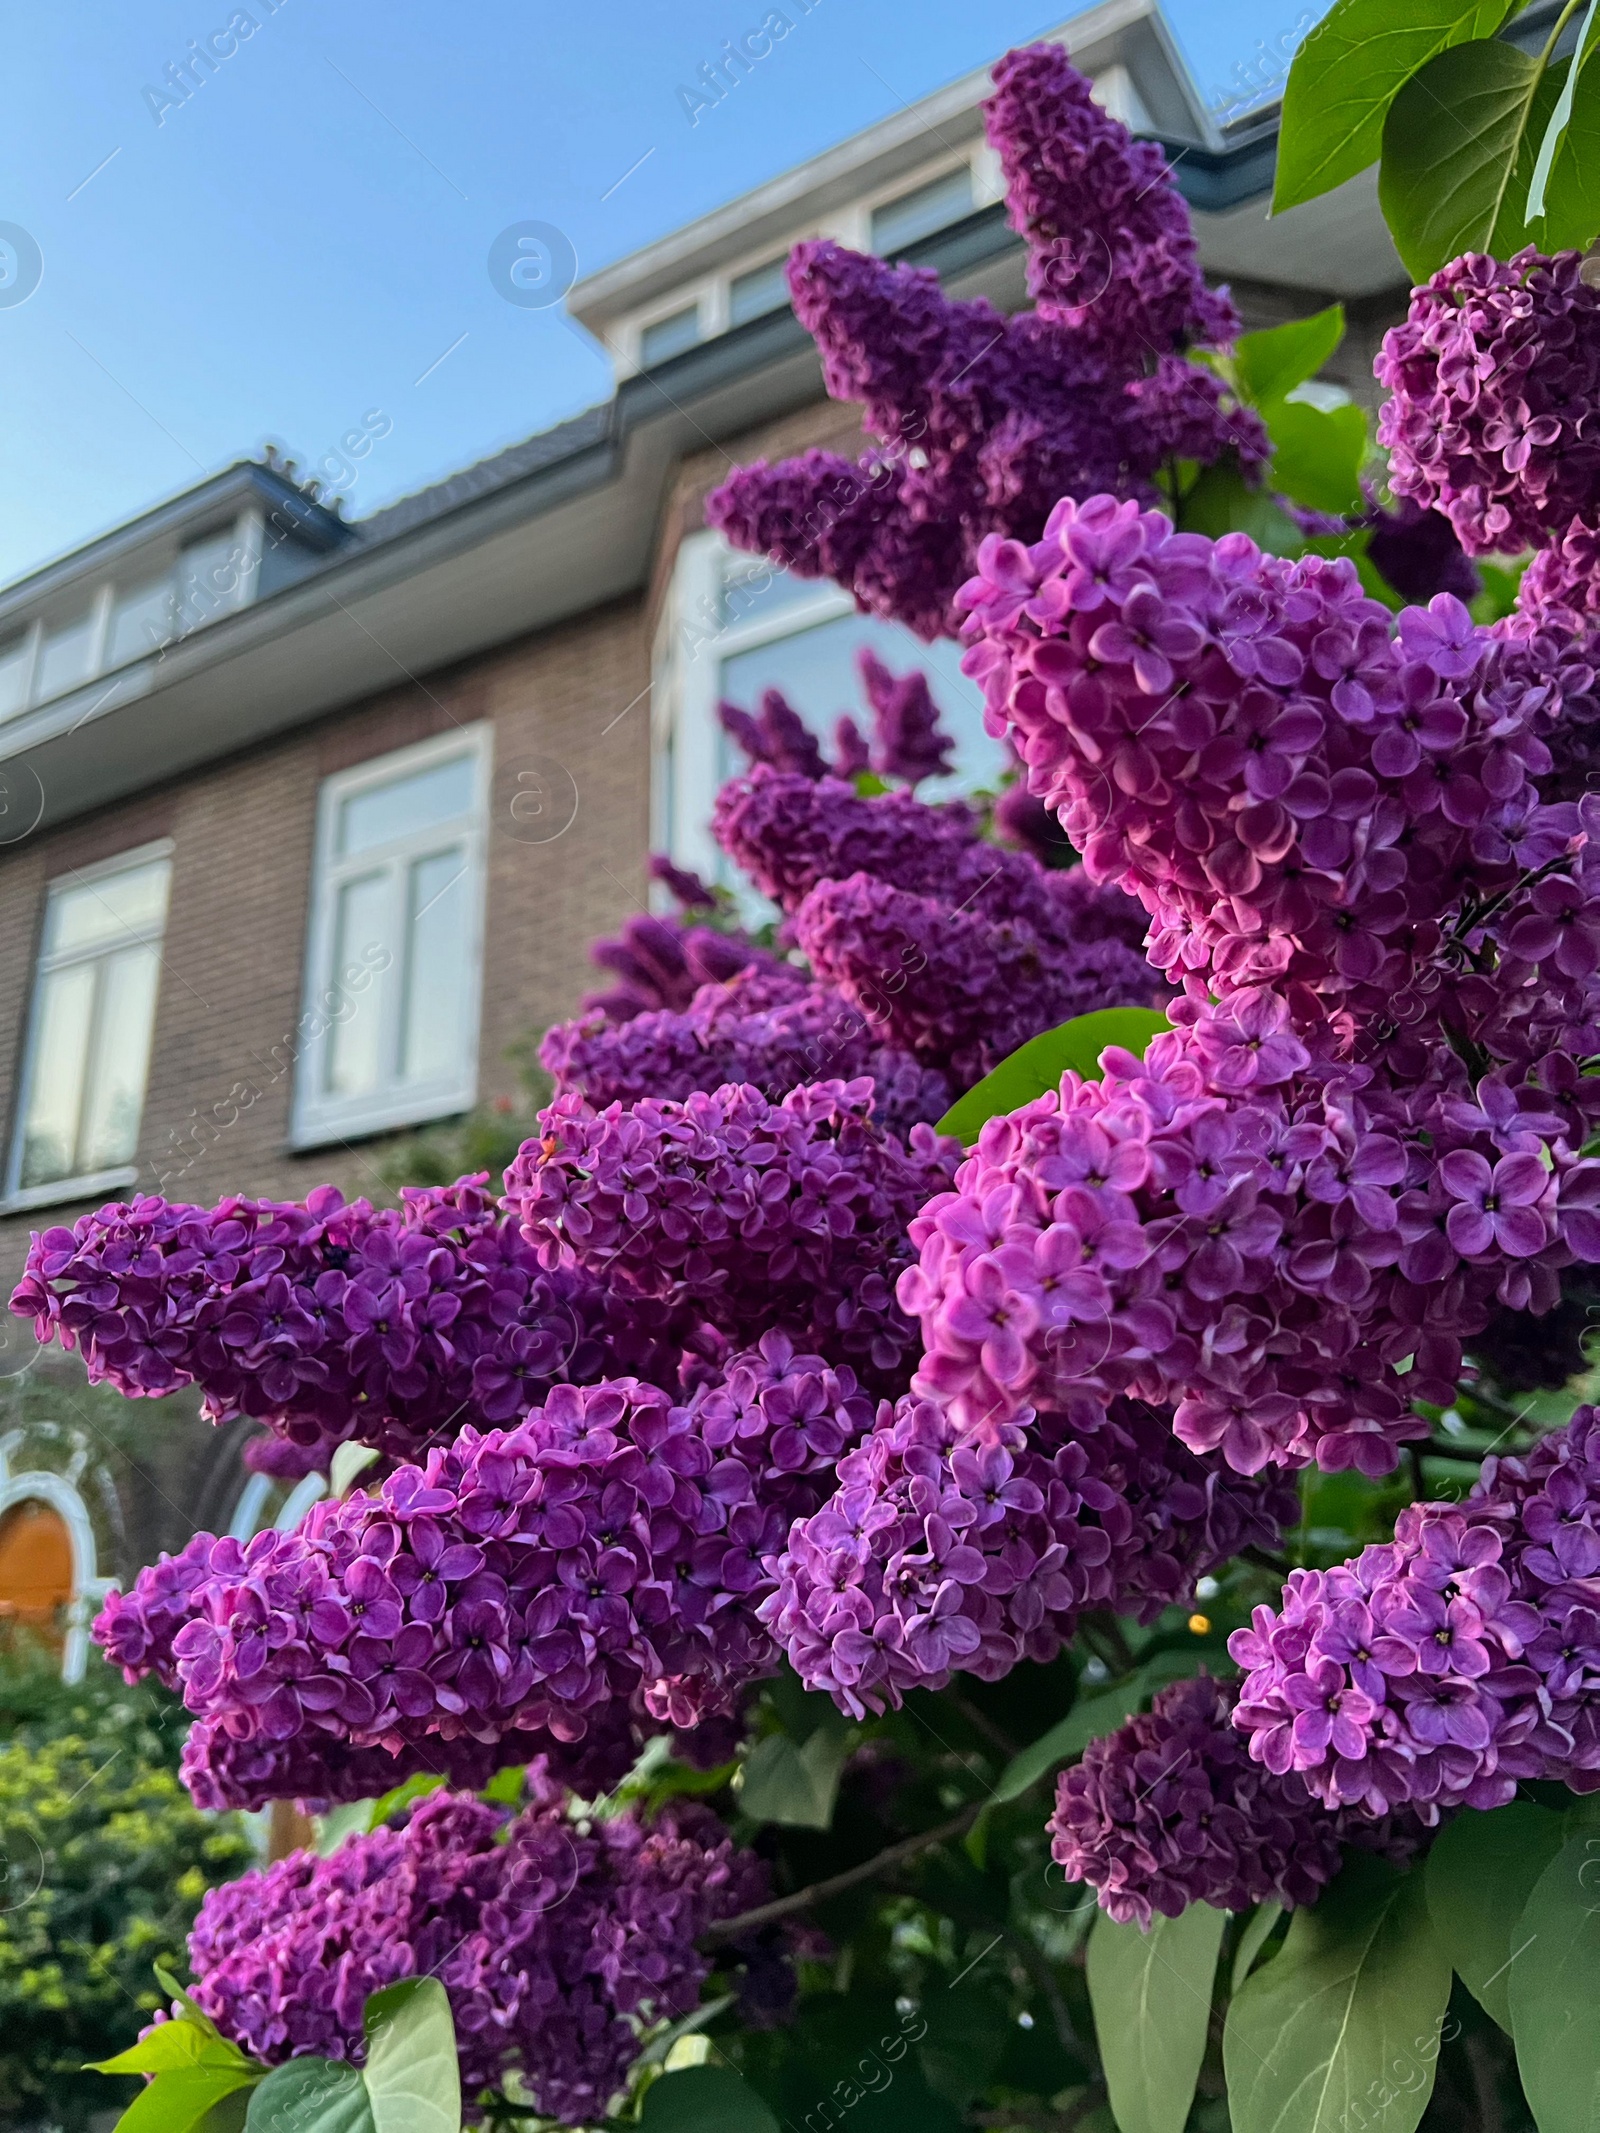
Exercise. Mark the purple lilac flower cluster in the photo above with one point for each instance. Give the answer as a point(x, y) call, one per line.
point(557, 1944)
point(1368, 1127)
point(1490, 380)
point(984, 420)
point(659, 965)
point(790, 1214)
point(945, 1552)
point(1170, 1810)
point(954, 949)
point(520, 1589)
point(1441, 1667)
point(329, 1320)
point(773, 1030)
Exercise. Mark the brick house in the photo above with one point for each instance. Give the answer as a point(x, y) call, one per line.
point(305, 824)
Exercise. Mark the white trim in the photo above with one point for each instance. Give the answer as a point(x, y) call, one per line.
point(320, 1119)
point(88, 1587)
point(252, 1500)
point(62, 1189)
point(46, 962)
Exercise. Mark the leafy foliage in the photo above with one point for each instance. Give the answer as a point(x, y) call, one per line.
point(107, 1862)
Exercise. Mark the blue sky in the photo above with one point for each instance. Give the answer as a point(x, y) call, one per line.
point(296, 245)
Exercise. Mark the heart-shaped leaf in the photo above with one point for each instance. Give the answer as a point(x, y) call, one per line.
point(179, 2101)
point(311, 2096)
point(794, 1783)
point(1037, 1066)
point(1344, 2023)
point(1151, 1994)
point(1554, 1990)
point(1452, 145)
point(413, 2072)
point(705, 2099)
point(1271, 363)
point(1317, 454)
point(1481, 1872)
point(1348, 72)
point(174, 2044)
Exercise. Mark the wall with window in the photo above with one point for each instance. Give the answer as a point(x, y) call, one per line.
point(235, 984)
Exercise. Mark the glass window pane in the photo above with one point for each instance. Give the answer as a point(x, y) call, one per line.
point(108, 909)
point(363, 939)
point(753, 594)
point(433, 1032)
point(209, 576)
point(918, 214)
point(63, 659)
point(65, 1011)
point(763, 289)
point(114, 1095)
point(669, 336)
point(13, 675)
point(405, 805)
point(141, 620)
point(816, 670)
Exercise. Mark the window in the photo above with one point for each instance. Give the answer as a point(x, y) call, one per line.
point(762, 290)
point(735, 626)
point(66, 658)
point(93, 1012)
point(141, 620)
point(16, 664)
point(390, 1030)
point(918, 214)
point(210, 579)
point(669, 336)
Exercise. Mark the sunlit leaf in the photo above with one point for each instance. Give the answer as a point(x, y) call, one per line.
point(1038, 1065)
point(1451, 147)
point(177, 2102)
point(1347, 73)
point(1317, 454)
point(173, 2044)
point(413, 2073)
point(1271, 363)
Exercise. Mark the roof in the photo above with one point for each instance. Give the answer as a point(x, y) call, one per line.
point(566, 520)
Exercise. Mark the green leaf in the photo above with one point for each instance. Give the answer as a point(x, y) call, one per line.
point(414, 1788)
point(1555, 1991)
point(1480, 1874)
point(192, 2013)
point(350, 1461)
point(1561, 116)
point(1269, 364)
point(1221, 501)
point(176, 2102)
point(173, 2044)
point(413, 2072)
point(1345, 76)
point(1151, 1994)
point(1253, 1939)
point(794, 1783)
point(1038, 1065)
point(1451, 145)
point(705, 2099)
point(1317, 454)
point(351, 1818)
point(311, 2096)
point(1086, 1721)
point(1343, 2024)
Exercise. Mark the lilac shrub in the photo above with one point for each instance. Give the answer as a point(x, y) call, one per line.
point(985, 421)
point(554, 1943)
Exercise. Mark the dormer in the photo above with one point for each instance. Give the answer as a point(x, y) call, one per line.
point(915, 175)
point(83, 626)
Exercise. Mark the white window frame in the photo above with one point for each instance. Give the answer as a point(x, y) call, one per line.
point(691, 643)
point(319, 1118)
point(87, 1184)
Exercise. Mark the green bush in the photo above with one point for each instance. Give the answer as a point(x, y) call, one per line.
point(104, 1863)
